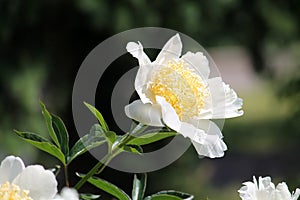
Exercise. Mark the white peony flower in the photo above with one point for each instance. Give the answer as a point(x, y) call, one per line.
point(177, 92)
point(67, 194)
point(30, 183)
point(265, 190)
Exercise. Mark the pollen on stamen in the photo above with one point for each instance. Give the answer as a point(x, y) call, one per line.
point(13, 192)
point(181, 87)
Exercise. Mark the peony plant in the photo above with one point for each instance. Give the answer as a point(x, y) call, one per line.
point(177, 94)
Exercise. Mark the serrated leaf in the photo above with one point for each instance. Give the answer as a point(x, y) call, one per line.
point(151, 137)
point(61, 133)
point(170, 194)
point(108, 187)
point(98, 115)
point(85, 196)
point(87, 142)
point(48, 121)
point(42, 144)
point(139, 186)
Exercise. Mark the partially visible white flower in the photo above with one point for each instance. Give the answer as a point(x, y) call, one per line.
point(176, 91)
point(67, 194)
point(264, 189)
point(30, 183)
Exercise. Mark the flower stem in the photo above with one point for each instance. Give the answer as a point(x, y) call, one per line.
point(100, 166)
point(66, 175)
point(93, 171)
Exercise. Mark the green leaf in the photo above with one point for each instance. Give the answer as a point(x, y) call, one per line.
point(111, 136)
point(170, 195)
point(48, 120)
point(133, 149)
point(162, 197)
point(98, 115)
point(108, 187)
point(85, 196)
point(92, 140)
point(151, 137)
point(96, 130)
point(139, 186)
point(42, 144)
point(137, 128)
point(61, 133)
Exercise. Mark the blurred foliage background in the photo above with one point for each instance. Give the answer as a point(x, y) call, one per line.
point(256, 45)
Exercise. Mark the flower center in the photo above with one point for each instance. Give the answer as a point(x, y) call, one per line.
point(181, 87)
point(13, 192)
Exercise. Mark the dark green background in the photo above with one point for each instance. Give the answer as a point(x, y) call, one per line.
point(42, 44)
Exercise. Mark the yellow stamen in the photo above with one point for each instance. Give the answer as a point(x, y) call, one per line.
point(181, 87)
point(13, 192)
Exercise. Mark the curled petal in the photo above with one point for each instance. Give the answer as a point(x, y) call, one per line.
point(207, 139)
point(10, 167)
point(296, 194)
point(144, 72)
point(147, 114)
point(40, 183)
point(136, 50)
point(171, 50)
point(198, 62)
point(264, 189)
point(282, 191)
point(264, 183)
point(169, 115)
point(207, 142)
point(222, 102)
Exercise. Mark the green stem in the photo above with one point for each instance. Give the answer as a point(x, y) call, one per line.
point(66, 175)
point(100, 166)
point(92, 172)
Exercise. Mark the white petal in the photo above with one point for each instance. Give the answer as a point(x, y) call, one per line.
point(143, 77)
point(169, 115)
point(67, 194)
point(249, 190)
point(198, 62)
point(266, 189)
point(144, 72)
point(208, 126)
point(264, 183)
point(40, 183)
point(222, 102)
point(10, 167)
point(171, 50)
point(147, 114)
point(282, 191)
point(207, 140)
point(296, 194)
point(136, 50)
point(263, 190)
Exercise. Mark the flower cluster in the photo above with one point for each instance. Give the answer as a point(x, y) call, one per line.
point(264, 189)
